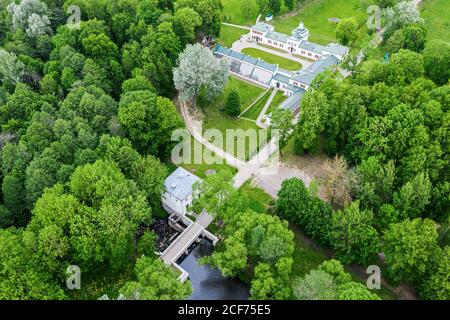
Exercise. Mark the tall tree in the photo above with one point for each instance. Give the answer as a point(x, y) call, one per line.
point(149, 120)
point(210, 11)
point(347, 30)
point(436, 57)
point(233, 103)
point(413, 196)
point(11, 69)
point(214, 194)
point(409, 248)
point(414, 37)
point(274, 6)
point(353, 236)
point(337, 180)
point(198, 69)
point(155, 281)
point(281, 120)
point(316, 285)
point(437, 286)
point(398, 16)
point(186, 23)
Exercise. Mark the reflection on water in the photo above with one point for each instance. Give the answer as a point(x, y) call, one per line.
point(207, 282)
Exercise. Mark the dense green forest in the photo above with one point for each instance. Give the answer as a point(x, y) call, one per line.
point(388, 126)
point(87, 113)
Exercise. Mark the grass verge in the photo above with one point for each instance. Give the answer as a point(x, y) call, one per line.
point(273, 59)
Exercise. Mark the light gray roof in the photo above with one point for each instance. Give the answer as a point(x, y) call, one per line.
point(304, 77)
point(249, 59)
point(263, 27)
point(323, 63)
point(313, 47)
point(243, 57)
point(285, 72)
point(293, 102)
point(281, 78)
point(277, 36)
point(336, 49)
point(222, 50)
point(236, 55)
point(300, 32)
point(267, 66)
point(179, 184)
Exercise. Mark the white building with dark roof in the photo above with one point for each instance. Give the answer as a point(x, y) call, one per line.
point(293, 84)
point(296, 43)
point(270, 75)
point(179, 191)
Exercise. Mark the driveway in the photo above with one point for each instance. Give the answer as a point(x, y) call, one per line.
point(272, 183)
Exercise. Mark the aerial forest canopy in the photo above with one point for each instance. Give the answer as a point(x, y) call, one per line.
point(87, 112)
point(390, 121)
point(86, 115)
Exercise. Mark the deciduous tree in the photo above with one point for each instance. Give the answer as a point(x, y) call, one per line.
point(409, 248)
point(353, 236)
point(198, 69)
point(155, 281)
point(347, 30)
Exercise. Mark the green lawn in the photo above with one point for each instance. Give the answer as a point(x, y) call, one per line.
point(216, 118)
point(273, 59)
point(200, 169)
point(228, 35)
point(259, 200)
point(277, 100)
point(255, 110)
point(315, 16)
point(233, 14)
point(436, 13)
point(247, 92)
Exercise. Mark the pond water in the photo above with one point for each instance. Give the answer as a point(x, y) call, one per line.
point(208, 283)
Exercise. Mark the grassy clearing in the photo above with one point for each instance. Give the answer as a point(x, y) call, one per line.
point(233, 13)
point(247, 92)
point(256, 109)
point(216, 118)
point(199, 169)
point(305, 257)
point(229, 34)
point(273, 59)
point(199, 166)
point(259, 200)
point(315, 16)
point(277, 100)
point(435, 13)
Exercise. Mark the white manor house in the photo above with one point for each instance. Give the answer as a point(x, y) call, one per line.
point(293, 83)
point(297, 43)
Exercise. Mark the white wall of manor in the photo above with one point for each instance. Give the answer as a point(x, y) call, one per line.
point(290, 46)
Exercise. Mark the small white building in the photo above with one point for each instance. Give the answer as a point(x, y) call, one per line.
point(179, 191)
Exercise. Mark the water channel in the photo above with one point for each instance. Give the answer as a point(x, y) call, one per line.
point(208, 283)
